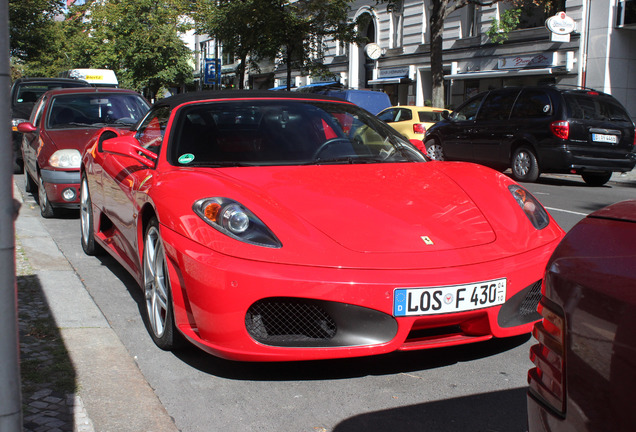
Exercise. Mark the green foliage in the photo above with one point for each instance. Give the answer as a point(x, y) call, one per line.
point(138, 39)
point(32, 36)
point(499, 29)
point(293, 32)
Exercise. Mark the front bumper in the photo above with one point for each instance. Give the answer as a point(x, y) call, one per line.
point(57, 182)
point(232, 307)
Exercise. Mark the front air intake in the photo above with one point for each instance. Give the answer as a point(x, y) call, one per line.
point(288, 321)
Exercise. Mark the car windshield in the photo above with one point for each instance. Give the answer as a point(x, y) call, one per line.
point(283, 132)
point(95, 110)
point(29, 93)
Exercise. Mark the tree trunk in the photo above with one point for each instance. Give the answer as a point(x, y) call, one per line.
point(289, 67)
point(437, 65)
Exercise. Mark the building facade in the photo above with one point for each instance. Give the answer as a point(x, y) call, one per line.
point(596, 52)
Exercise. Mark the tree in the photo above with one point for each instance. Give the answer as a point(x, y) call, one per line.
point(294, 32)
point(245, 28)
point(138, 39)
point(306, 26)
point(33, 35)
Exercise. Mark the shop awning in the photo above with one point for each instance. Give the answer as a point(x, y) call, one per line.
point(505, 73)
point(398, 80)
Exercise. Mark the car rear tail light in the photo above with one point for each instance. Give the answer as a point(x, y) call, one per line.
point(634, 146)
point(547, 379)
point(560, 129)
point(419, 128)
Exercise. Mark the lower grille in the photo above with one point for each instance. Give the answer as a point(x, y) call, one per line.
point(283, 321)
point(522, 307)
point(531, 301)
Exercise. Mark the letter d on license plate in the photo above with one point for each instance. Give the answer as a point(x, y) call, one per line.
point(448, 299)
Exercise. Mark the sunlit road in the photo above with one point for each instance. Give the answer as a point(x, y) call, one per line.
point(471, 388)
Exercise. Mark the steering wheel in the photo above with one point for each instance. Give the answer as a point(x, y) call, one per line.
point(327, 143)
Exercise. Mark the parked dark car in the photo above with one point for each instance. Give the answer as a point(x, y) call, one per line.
point(60, 127)
point(535, 130)
point(24, 93)
point(585, 372)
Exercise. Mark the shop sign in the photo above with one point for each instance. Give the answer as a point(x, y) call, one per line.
point(397, 72)
point(560, 26)
point(529, 61)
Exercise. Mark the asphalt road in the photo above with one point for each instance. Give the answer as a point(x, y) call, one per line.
point(479, 387)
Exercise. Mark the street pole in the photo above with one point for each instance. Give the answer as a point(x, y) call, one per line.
point(10, 395)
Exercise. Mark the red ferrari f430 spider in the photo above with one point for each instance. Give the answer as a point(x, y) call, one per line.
point(268, 226)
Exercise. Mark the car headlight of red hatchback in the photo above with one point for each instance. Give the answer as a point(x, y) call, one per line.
point(66, 158)
point(234, 220)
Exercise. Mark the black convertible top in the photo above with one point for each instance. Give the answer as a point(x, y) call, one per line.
point(179, 99)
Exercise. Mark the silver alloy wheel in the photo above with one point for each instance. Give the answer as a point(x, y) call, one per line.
point(155, 282)
point(522, 163)
point(435, 152)
point(85, 214)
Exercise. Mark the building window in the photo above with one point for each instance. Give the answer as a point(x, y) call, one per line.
point(469, 21)
point(532, 15)
point(396, 11)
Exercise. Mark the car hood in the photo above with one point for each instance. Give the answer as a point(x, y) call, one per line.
point(399, 216)
point(71, 138)
point(377, 208)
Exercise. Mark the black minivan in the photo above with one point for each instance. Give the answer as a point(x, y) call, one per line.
point(535, 130)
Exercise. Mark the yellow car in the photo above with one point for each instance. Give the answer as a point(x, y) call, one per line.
point(411, 121)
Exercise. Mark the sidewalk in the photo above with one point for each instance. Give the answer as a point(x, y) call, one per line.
point(102, 387)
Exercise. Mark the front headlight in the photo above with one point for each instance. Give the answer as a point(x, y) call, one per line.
point(234, 220)
point(67, 158)
point(530, 206)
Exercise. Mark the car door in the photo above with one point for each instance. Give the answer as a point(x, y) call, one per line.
point(457, 133)
point(492, 131)
point(122, 176)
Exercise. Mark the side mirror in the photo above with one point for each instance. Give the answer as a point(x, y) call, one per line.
point(129, 146)
point(446, 115)
point(26, 127)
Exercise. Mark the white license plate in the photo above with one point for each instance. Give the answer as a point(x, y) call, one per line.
point(448, 299)
point(612, 139)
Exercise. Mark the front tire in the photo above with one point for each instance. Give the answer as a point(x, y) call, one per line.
point(46, 209)
point(434, 150)
point(86, 220)
point(525, 167)
point(596, 179)
point(158, 298)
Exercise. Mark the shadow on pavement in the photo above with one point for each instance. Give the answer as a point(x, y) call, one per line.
point(48, 379)
point(498, 411)
point(387, 364)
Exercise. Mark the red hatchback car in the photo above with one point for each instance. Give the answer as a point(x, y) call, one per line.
point(61, 124)
point(288, 226)
point(585, 372)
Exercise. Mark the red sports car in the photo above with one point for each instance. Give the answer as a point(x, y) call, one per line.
point(268, 226)
point(585, 360)
point(61, 124)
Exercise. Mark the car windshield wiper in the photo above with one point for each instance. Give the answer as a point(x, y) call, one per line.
point(219, 164)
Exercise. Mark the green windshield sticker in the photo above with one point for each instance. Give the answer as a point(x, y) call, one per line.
point(186, 158)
